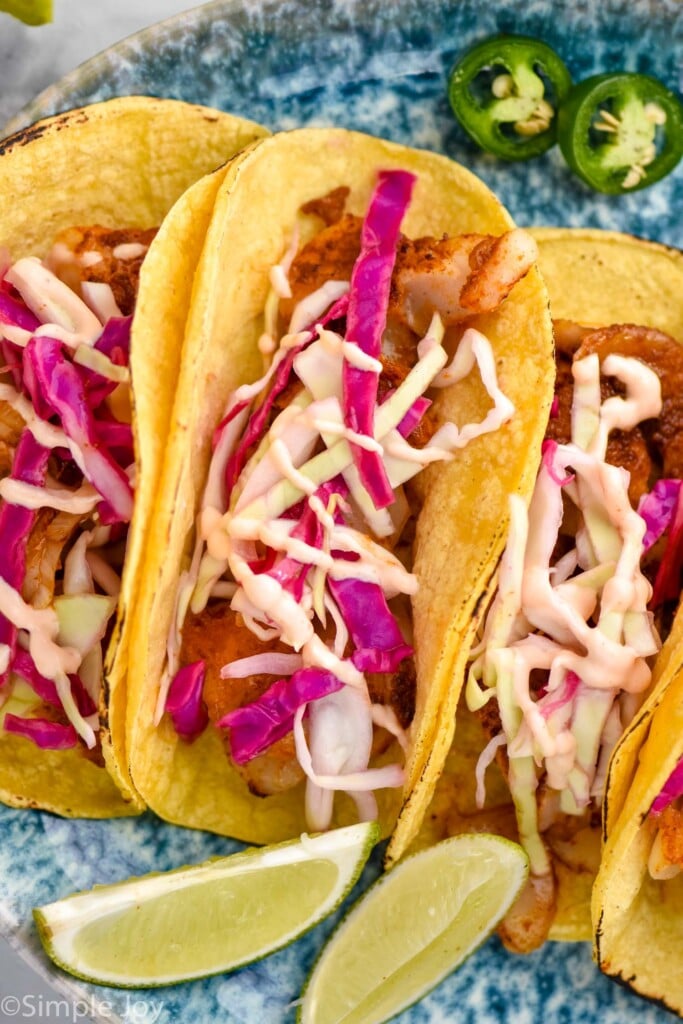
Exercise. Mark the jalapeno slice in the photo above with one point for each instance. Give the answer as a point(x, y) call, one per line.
point(505, 93)
point(621, 132)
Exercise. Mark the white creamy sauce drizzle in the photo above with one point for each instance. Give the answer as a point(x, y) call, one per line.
point(314, 305)
point(63, 499)
point(89, 258)
point(67, 318)
point(283, 471)
point(594, 624)
point(53, 303)
point(43, 627)
point(47, 434)
point(129, 250)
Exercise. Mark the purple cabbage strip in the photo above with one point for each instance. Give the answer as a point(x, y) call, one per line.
point(16, 522)
point(45, 734)
point(256, 427)
point(33, 386)
point(24, 666)
point(667, 585)
point(256, 726)
point(291, 575)
point(15, 313)
point(550, 703)
point(657, 509)
point(413, 416)
point(56, 382)
point(548, 451)
point(185, 703)
point(366, 320)
point(234, 411)
point(380, 645)
point(672, 788)
point(114, 342)
point(290, 572)
point(117, 438)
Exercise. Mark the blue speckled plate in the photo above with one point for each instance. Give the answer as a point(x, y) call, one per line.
point(379, 67)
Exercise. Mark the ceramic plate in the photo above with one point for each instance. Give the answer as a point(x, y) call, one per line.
point(381, 68)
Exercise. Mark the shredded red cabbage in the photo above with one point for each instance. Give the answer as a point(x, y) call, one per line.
point(380, 645)
point(234, 411)
point(672, 788)
point(45, 734)
point(185, 704)
point(288, 571)
point(657, 509)
point(256, 726)
point(555, 407)
point(16, 522)
point(550, 703)
point(55, 382)
point(24, 666)
point(548, 452)
point(413, 416)
point(366, 320)
point(117, 438)
point(15, 313)
point(256, 427)
point(667, 585)
point(114, 342)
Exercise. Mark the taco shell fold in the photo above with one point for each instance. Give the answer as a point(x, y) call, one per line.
point(122, 163)
point(461, 528)
point(637, 919)
point(594, 278)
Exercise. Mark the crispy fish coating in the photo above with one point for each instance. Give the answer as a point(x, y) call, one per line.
point(218, 636)
point(105, 255)
point(670, 824)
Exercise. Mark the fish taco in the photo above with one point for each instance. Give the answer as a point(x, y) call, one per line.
point(637, 903)
point(580, 636)
point(368, 374)
point(85, 360)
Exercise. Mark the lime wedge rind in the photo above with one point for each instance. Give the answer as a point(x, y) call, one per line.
point(128, 934)
point(375, 946)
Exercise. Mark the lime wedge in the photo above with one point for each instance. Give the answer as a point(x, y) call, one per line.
point(33, 12)
point(414, 926)
point(165, 928)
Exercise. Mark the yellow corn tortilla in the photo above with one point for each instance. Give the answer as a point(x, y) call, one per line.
point(636, 921)
point(602, 277)
point(461, 529)
point(594, 278)
point(123, 163)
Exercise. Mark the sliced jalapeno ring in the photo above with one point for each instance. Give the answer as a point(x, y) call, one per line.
point(621, 132)
point(505, 93)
